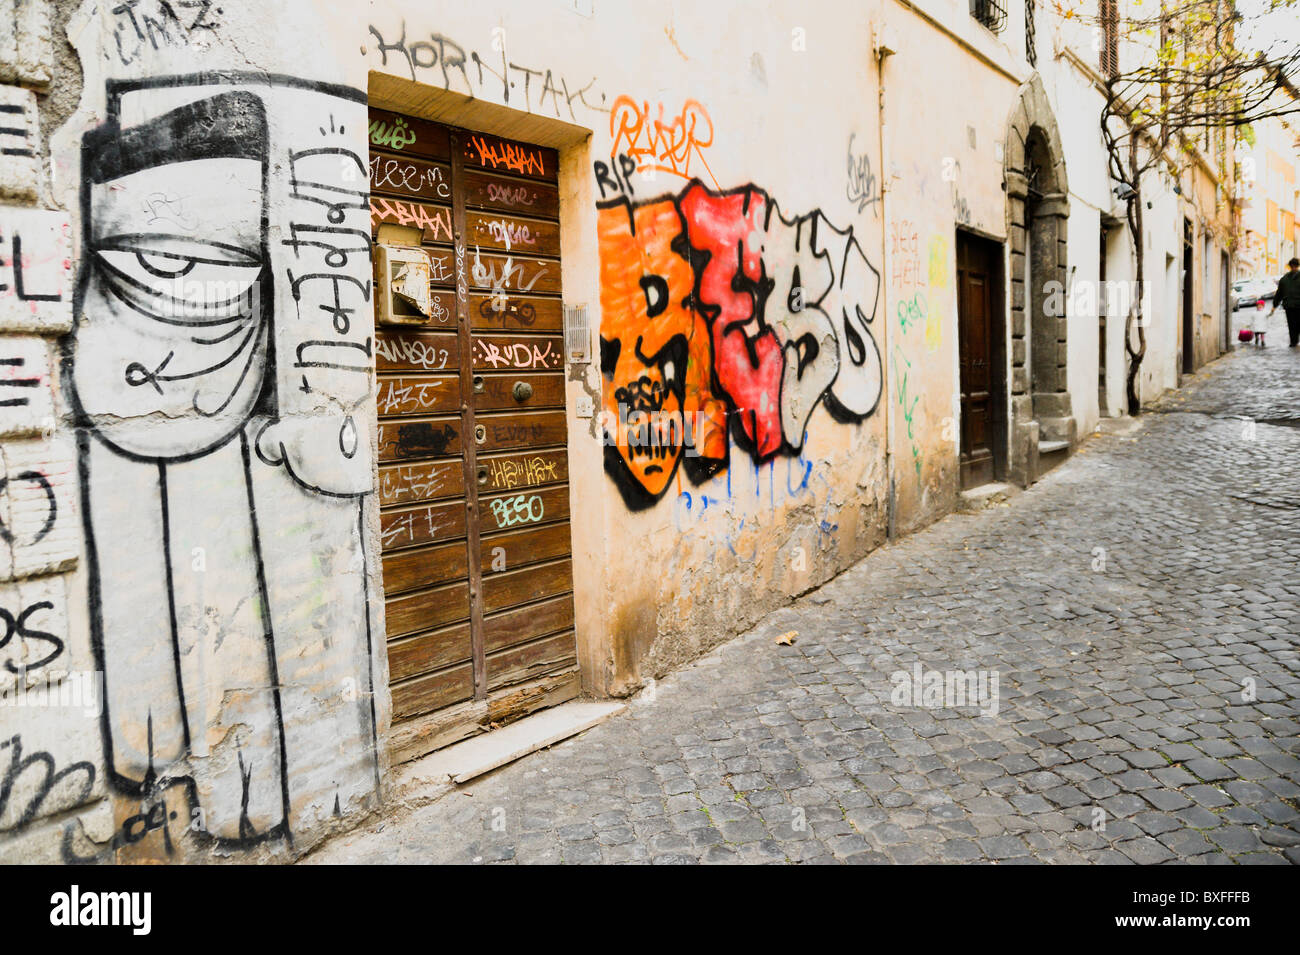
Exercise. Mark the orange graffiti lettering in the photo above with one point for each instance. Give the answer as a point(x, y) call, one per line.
point(508, 155)
point(656, 144)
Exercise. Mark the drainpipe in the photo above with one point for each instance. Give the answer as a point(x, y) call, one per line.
point(884, 47)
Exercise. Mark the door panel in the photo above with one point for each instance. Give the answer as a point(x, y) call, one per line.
point(496, 230)
point(525, 509)
point(509, 194)
point(408, 483)
point(511, 627)
point(506, 312)
point(418, 438)
point(418, 394)
point(425, 693)
point(507, 431)
point(423, 567)
point(473, 467)
point(505, 472)
point(501, 392)
point(520, 586)
point(421, 524)
point(410, 178)
point(519, 548)
point(514, 273)
point(518, 353)
point(433, 221)
point(509, 156)
point(411, 656)
point(416, 351)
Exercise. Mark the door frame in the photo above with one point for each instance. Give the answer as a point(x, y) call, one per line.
point(427, 732)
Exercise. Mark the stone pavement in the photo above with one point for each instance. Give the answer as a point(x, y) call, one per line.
point(1140, 607)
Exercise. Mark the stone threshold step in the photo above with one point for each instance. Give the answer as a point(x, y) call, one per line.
point(481, 754)
point(1050, 447)
point(986, 491)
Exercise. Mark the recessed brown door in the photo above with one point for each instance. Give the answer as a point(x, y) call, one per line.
point(473, 466)
point(1102, 303)
point(1189, 328)
point(978, 319)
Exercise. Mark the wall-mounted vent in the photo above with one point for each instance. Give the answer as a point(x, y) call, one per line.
point(577, 334)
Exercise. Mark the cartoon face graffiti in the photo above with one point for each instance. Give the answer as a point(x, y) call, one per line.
point(173, 348)
point(221, 366)
point(655, 352)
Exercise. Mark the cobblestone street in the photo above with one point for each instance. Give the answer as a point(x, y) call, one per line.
point(1140, 607)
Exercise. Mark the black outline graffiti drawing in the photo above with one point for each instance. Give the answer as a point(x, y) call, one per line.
point(216, 413)
point(41, 761)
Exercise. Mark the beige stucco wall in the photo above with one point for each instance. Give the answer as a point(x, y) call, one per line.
point(218, 565)
point(791, 100)
point(944, 157)
point(214, 556)
point(657, 585)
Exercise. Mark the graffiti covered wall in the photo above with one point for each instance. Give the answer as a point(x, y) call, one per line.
point(734, 275)
point(210, 462)
point(189, 535)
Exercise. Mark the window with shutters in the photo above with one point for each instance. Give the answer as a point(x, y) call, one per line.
point(1031, 46)
point(1108, 24)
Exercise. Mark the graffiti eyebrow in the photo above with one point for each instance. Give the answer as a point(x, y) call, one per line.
point(140, 243)
point(121, 296)
point(226, 126)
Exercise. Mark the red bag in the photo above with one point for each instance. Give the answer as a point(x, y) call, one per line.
point(1245, 335)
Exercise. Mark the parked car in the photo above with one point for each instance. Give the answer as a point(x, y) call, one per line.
point(1246, 292)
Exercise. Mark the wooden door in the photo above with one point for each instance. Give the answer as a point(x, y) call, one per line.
point(1103, 302)
point(978, 287)
point(1189, 332)
point(473, 466)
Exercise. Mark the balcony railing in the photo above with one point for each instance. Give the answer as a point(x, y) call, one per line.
point(991, 13)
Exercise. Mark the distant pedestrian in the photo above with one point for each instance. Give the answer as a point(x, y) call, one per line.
point(1288, 296)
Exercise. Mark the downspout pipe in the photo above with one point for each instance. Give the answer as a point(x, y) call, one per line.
point(882, 52)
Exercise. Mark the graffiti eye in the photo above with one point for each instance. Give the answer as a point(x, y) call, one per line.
point(180, 279)
point(853, 341)
point(656, 294)
point(164, 266)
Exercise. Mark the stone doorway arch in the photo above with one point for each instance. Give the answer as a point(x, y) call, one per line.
point(1043, 430)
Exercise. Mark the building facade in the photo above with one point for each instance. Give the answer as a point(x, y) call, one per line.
point(385, 372)
point(1270, 199)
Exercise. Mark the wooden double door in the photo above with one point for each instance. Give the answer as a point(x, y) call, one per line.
point(473, 462)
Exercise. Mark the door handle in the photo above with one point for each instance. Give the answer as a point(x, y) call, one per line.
point(522, 391)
